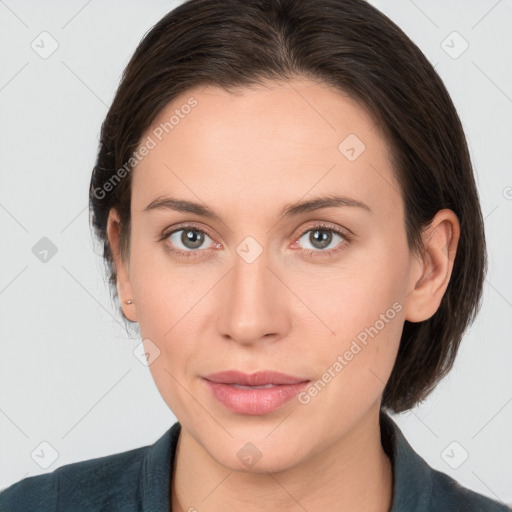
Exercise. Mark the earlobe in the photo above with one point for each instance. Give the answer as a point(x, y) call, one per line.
point(124, 288)
point(431, 273)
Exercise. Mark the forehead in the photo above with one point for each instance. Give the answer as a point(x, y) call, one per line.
point(277, 139)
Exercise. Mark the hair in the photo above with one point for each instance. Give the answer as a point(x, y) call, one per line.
point(353, 47)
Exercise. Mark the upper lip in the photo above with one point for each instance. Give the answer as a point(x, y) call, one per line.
point(260, 378)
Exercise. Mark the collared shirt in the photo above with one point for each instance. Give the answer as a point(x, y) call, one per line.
point(139, 480)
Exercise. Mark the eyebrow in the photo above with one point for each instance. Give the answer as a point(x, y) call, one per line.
point(289, 210)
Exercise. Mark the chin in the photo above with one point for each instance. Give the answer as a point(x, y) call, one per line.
point(258, 456)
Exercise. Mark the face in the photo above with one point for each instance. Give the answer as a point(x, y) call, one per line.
point(318, 293)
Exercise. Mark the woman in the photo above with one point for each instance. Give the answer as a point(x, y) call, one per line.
point(288, 211)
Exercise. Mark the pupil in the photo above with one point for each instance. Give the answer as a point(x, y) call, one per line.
point(325, 239)
point(192, 239)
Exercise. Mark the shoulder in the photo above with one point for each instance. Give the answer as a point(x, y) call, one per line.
point(87, 485)
point(448, 494)
point(417, 487)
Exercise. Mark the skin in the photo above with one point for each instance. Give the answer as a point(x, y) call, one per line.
point(246, 156)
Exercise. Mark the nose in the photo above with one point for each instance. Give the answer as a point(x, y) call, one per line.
point(254, 306)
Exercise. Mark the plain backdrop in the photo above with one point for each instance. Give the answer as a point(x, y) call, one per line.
point(68, 375)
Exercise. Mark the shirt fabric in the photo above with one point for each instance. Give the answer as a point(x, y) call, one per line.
point(139, 480)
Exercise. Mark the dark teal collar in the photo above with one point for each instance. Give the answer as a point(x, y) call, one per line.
point(412, 481)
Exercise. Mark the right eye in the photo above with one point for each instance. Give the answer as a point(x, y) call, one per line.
point(186, 241)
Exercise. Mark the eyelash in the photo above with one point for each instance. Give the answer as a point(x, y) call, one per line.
point(347, 239)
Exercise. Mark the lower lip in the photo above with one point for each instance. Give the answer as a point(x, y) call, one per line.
point(254, 401)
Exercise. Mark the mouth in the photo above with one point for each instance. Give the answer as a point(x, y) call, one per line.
point(266, 386)
point(264, 378)
point(254, 394)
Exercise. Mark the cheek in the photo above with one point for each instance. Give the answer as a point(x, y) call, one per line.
point(167, 297)
point(165, 322)
point(357, 291)
point(362, 312)
point(354, 364)
point(167, 291)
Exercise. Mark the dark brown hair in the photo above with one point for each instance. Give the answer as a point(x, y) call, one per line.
point(353, 47)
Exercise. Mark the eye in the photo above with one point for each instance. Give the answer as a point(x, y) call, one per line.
point(323, 236)
point(187, 241)
point(191, 242)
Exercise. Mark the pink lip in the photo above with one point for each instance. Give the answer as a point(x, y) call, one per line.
point(254, 379)
point(254, 401)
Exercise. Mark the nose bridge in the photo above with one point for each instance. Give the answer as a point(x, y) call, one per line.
point(250, 275)
point(250, 304)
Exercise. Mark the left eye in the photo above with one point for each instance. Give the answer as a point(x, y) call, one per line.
point(321, 237)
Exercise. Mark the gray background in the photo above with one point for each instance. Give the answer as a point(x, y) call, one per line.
point(68, 375)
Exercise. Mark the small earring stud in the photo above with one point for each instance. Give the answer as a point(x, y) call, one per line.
point(129, 301)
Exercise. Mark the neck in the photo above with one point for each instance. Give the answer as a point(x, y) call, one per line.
point(353, 474)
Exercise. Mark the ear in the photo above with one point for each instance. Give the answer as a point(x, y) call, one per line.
point(124, 288)
point(430, 273)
